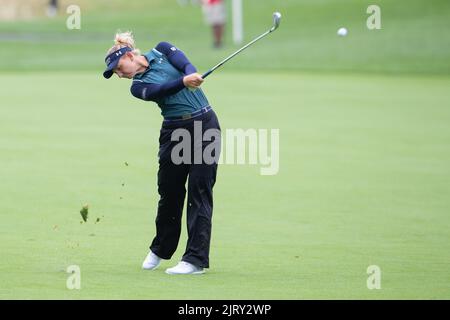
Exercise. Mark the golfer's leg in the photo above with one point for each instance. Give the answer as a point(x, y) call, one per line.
point(172, 191)
point(202, 178)
point(201, 181)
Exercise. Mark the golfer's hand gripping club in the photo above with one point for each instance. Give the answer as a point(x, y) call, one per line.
point(193, 81)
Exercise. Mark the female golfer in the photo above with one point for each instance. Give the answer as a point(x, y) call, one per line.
point(164, 75)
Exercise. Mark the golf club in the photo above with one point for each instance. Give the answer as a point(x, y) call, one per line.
point(276, 24)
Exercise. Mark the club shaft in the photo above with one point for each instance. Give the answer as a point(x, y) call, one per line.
point(234, 54)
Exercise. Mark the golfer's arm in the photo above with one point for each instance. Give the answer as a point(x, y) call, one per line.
point(152, 91)
point(176, 57)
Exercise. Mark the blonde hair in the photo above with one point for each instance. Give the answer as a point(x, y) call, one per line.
point(122, 40)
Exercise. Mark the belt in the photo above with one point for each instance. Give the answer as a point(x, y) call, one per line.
point(189, 115)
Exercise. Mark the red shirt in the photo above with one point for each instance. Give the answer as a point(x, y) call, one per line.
point(212, 1)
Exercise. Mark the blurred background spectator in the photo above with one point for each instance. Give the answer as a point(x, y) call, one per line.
point(52, 8)
point(215, 16)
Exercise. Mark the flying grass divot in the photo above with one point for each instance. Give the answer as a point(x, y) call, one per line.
point(84, 212)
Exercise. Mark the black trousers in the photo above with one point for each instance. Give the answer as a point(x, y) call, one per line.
point(172, 178)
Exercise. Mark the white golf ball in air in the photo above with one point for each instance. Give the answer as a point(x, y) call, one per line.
point(342, 32)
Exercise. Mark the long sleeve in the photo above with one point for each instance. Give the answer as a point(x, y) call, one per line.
point(153, 92)
point(176, 57)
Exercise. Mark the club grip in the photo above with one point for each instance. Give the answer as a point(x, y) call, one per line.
point(207, 74)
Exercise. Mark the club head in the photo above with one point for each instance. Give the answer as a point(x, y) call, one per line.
point(276, 21)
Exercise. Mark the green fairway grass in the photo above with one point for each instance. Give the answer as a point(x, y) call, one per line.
point(364, 175)
point(364, 180)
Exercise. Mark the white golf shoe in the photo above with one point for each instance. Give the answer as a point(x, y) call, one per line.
point(184, 267)
point(151, 262)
